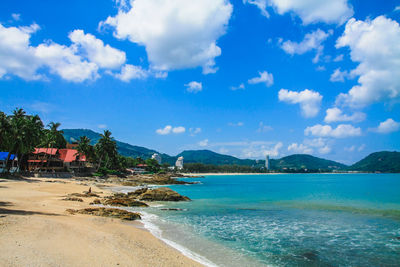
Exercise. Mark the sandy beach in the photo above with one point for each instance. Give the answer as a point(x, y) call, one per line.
point(36, 230)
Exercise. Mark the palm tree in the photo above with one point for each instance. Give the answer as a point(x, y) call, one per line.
point(106, 147)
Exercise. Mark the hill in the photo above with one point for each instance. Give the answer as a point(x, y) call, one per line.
point(125, 149)
point(303, 161)
point(210, 157)
point(384, 161)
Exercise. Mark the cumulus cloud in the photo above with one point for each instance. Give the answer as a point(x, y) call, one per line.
point(94, 49)
point(178, 130)
point(341, 131)
point(261, 150)
point(309, 101)
point(16, 16)
point(164, 131)
point(387, 126)
point(338, 75)
point(168, 129)
point(335, 114)
point(299, 149)
point(194, 131)
point(78, 62)
point(236, 124)
point(194, 87)
point(177, 34)
point(374, 44)
point(203, 143)
point(309, 11)
point(338, 58)
point(262, 128)
point(265, 77)
point(239, 87)
point(130, 72)
point(311, 41)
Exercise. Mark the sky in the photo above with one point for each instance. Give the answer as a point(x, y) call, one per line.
point(247, 78)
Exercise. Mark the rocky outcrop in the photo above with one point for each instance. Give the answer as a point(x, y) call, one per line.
point(107, 212)
point(73, 199)
point(159, 194)
point(84, 194)
point(123, 202)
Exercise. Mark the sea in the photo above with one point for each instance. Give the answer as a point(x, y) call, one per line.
point(284, 220)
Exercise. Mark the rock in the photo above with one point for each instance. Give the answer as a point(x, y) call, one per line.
point(310, 255)
point(123, 202)
point(137, 192)
point(73, 199)
point(84, 194)
point(174, 209)
point(107, 212)
point(95, 202)
point(162, 194)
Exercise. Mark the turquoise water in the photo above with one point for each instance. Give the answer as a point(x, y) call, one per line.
point(289, 220)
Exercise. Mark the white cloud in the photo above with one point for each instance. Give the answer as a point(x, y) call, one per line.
point(387, 126)
point(164, 131)
point(261, 150)
point(354, 148)
point(263, 128)
point(310, 101)
point(311, 41)
point(264, 77)
point(261, 4)
point(177, 34)
point(375, 45)
point(238, 124)
point(178, 130)
point(338, 75)
point(341, 131)
point(310, 11)
point(239, 87)
point(17, 57)
point(94, 49)
point(102, 126)
point(338, 58)
point(361, 148)
point(194, 87)
point(203, 143)
point(397, 8)
point(16, 17)
point(63, 61)
point(299, 149)
point(335, 114)
point(194, 131)
point(77, 62)
point(130, 72)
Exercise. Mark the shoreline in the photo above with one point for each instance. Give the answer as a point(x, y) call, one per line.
point(36, 230)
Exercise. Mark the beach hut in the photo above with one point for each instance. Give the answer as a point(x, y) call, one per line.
point(3, 162)
point(72, 160)
point(45, 159)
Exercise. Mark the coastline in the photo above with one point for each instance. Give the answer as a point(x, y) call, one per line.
point(225, 173)
point(37, 230)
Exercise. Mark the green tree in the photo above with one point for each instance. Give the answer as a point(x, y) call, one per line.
point(106, 151)
point(84, 147)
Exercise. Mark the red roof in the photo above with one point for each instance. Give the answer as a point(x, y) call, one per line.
point(141, 165)
point(70, 155)
point(36, 160)
point(50, 151)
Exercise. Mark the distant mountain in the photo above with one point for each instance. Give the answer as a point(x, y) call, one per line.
point(125, 149)
point(380, 161)
point(303, 161)
point(210, 157)
point(384, 161)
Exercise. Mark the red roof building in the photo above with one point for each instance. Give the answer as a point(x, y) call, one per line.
point(70, 155)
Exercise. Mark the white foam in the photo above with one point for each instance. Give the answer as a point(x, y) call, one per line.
point(148, 222)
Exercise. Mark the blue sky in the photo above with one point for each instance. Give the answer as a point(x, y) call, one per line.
point(245, 78)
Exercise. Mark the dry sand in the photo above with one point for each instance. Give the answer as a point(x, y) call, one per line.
point(35, 230)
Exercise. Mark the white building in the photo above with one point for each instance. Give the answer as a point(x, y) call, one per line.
point(179, 163)
point(157, 157)
point(267, 162)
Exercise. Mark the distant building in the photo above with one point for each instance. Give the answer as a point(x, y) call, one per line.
point(157, 157)
point(179, 163)
point(3, 162)
point(267, 162)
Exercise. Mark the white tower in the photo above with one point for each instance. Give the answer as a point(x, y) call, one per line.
point(267, 162)
point(179, 163)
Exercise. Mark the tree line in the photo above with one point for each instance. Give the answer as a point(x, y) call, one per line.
point(21, 133)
